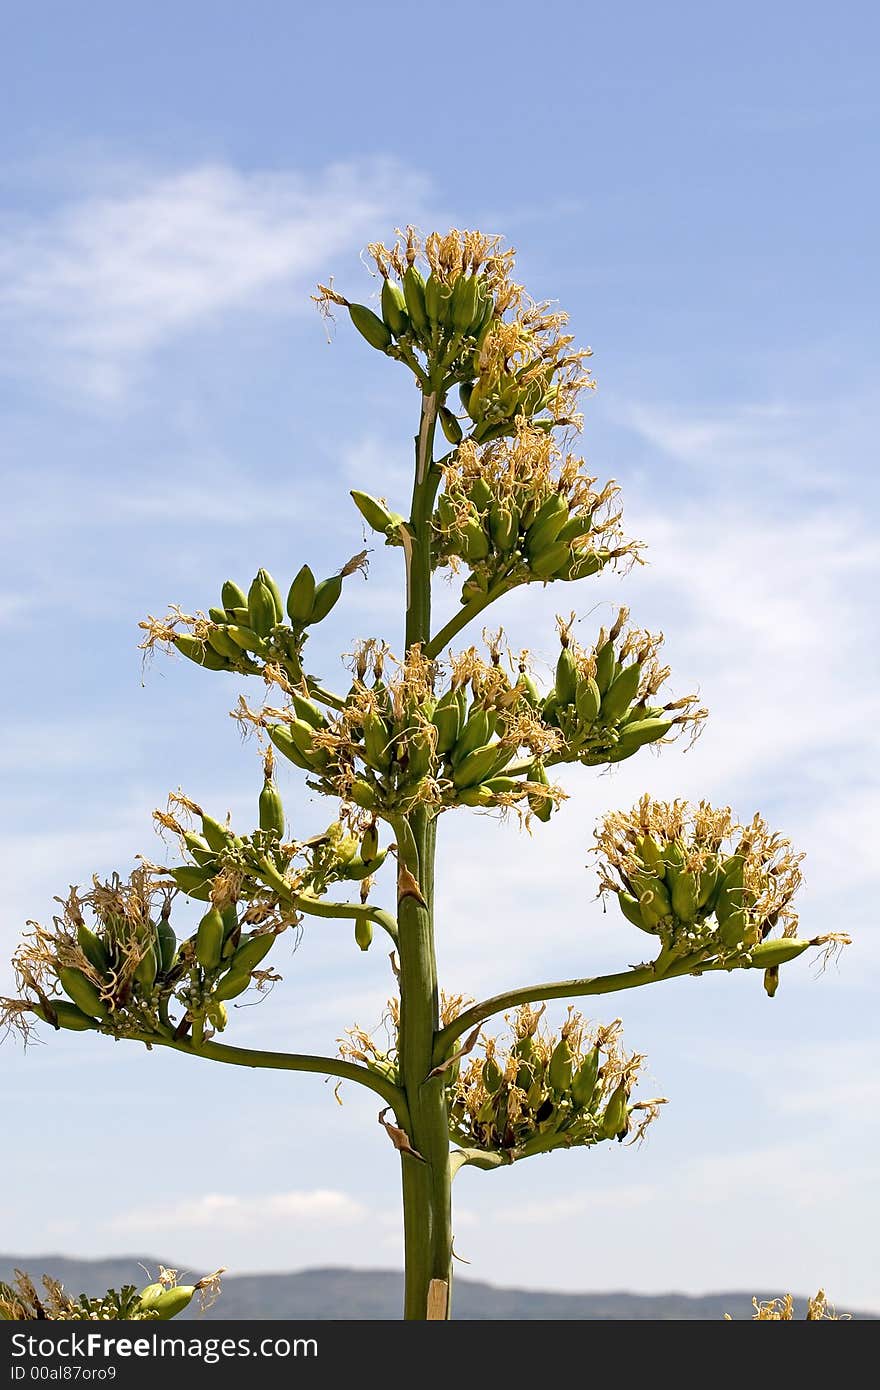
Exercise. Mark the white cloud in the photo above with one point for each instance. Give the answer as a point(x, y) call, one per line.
point(223, 1211)
point(545, 1211)
point(90, 290)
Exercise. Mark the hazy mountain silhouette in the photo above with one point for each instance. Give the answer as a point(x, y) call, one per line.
point(377, 1294)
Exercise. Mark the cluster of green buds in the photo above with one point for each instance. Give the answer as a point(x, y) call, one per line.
point(519, 511)
point(248, 633)
point(472, 734)
point(396, 743)
point(547, 1091)
point(114, 964)
point(112, 961)
point(451, 312)
point(710, 888)
point(158, 1302)
point(603, 700)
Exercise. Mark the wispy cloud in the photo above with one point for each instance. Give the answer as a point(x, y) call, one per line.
point(224, 1211)
point(90, 290)
point(552, 1209)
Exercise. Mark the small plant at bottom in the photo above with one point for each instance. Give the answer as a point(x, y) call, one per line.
point(158, 1302)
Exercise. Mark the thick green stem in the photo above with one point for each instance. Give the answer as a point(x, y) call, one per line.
point(287, 1061)
point(348, 911)
point(466, 614)
point(562, 989)
point(426, 1179)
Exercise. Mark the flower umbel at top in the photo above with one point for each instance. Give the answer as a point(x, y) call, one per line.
point(452, 312)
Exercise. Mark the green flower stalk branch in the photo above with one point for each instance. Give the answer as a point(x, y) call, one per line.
point(418, 734)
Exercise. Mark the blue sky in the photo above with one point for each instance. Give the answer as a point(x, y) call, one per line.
point(696, 189)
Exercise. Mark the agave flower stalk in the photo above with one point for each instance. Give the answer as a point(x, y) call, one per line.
point(428, 731)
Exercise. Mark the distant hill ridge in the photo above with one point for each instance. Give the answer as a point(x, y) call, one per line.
point(362, 1294)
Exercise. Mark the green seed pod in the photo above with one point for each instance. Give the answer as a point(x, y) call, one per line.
point(377, 741)
point(526, 684)
point(93, 949)
point(172, 1301)
point(540, 806)
point(301, 597)
point(247, 639)
point(491, 1075)
point(605, 666)
point(581, 565)
point(502, 784)
point(224, 645)
point(587, 701)
point(375, 513)
point(450, 425)
point(651, 855)
point(209, 940)
point(474, 541)
point(218, 615)
point(363, 933)
point(362, 794)
point(414, 298)
point(446, 720)
point(550, 562)
point(231, 596)
point(282, 739)
point(198, 651)
point(198, 848)
point(480, 795)
point(231, 985)
point(476, 766)
point(251, 952)
point(566, 677)
point(581, 524)
point(615, 1120)
point(620, 693)
point(683, 893)
point(80, 989)
point(768, 954)
point(480, 493)
point(327, 595)
point(167, 942)
point(434, 299)
point(370, 843)
point(584, 1082)
point(732, 930)
point(355, 869)
point(474, 733)
point(270, 584)
point(548, 521)
point(730, 888)
point(271, 809)
point(370, 326)
point(148, 966)
point(503, 526)
point(559, 1071)
point(465, 307)
point(420, 755)
point(394, 308)
point(643, 731)
point(67, 1015)
point(654, 899)
point(632, 911)
point(195, 882)
point(707, 885)
point(307, 710)
point(218, 837)
point(261, 607)
point(771, 980)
